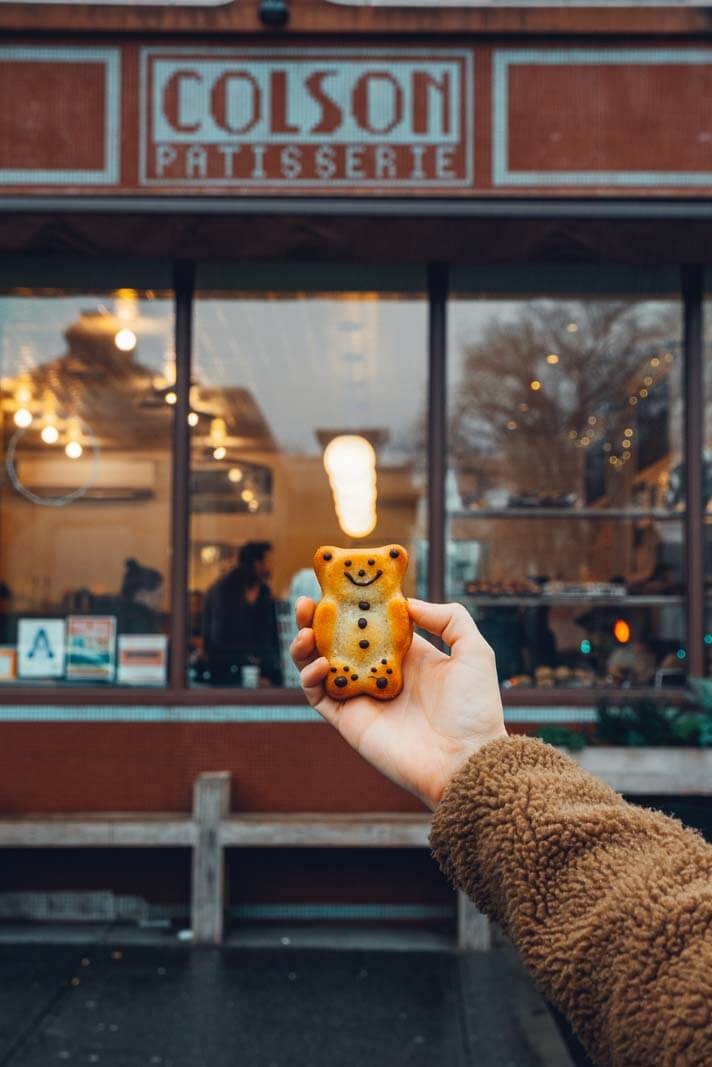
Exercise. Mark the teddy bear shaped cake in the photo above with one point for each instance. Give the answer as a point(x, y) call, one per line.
point(361, 624)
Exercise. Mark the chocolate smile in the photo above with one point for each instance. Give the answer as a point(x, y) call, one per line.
point(369, 582)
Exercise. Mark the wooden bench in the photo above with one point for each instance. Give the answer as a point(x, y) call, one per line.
point(210, 829)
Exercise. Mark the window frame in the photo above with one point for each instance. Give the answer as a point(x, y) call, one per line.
point(689, 288)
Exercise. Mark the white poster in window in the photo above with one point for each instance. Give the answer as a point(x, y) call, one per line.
point(143, 659)
point(40, 648)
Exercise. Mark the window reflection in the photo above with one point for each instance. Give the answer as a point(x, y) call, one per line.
point(566, 489)
point(278, 379)
point(85, 498)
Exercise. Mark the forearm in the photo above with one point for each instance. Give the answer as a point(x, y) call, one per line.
point(610, 905)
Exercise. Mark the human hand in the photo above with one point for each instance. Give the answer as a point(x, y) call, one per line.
point(449, 707)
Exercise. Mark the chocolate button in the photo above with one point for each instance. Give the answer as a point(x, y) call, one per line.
point(354, 677)
point(362, 624)
point(381, 683)
point(364, 605)
point(341, 681)
point(363, 644)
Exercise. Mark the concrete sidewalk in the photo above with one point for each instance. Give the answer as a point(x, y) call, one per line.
point(116, 1001)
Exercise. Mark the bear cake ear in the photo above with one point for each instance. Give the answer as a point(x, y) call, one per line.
point(398, 556)
point(322, 557)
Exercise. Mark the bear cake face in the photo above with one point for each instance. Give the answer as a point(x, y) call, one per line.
point(346, 572)
point(361, 624)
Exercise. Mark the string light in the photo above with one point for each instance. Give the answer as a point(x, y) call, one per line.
point(643, 393)
point(234, 475)
point(125, 340)
point(73, 449)
point(655, 362)
point(49, 434)
point(535, 385)
point(552, 359)
point(511, 425)
point(220, 452)
point(171, 398)
point(628, 432)
point(23, 418)
point(592, 420)
point(247, 495)
point(193, 418)
point(572, 328)
point(632, 400)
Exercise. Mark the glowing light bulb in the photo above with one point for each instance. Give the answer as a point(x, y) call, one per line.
point(350, 463)
point(125, 340)
point(50, 434)
point(73, 450)
point(535, 384)
point(220, 452)
point(247, 495)
point(552, 359)
point(193, 418)
point(234, 475)
point(171, 398)
point(23, 418)
point(621, 631)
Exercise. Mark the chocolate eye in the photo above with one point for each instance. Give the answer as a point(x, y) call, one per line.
point(326, 556)
point(394, 553)
point(347, 563)
point(371, 562)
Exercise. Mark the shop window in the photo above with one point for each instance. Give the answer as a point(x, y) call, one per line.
point(278, 376)
point(86, 485)
point(565, 487)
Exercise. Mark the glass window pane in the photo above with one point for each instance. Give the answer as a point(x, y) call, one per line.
point(85, 492)
point(565, 488)
point(278, 376)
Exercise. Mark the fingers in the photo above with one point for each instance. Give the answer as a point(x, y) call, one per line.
point(453, 623)
point(304, 611)
point(303, 648)
point(312, 679)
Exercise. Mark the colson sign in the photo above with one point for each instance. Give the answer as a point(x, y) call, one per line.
point(306, 118)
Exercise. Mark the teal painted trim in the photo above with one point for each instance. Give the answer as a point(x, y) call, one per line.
point(505, 58)
point(109, 173)
point(541, 715)
point(114, 713)
point(232, 714)
point(342, 911)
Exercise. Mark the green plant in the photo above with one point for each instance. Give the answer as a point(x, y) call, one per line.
point(646, 722)
point(562, 738)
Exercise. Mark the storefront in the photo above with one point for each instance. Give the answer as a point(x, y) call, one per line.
point(477, 249)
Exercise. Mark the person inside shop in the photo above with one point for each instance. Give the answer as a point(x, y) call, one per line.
point(8, 624)
point(240, 620)
point(139, 608)
point(610, 905)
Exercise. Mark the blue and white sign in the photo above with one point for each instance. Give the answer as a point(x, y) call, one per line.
point(40, 648)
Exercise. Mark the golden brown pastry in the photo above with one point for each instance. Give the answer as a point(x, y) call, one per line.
point(361, 624)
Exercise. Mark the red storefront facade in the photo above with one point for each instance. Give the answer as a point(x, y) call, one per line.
point(431, 158)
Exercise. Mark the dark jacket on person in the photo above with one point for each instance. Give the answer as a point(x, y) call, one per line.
point(609, 904)
point(237, 632)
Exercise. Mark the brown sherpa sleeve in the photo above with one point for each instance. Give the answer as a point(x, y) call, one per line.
point(610, 905)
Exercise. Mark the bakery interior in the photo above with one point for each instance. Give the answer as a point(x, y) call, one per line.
point(564, 485)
